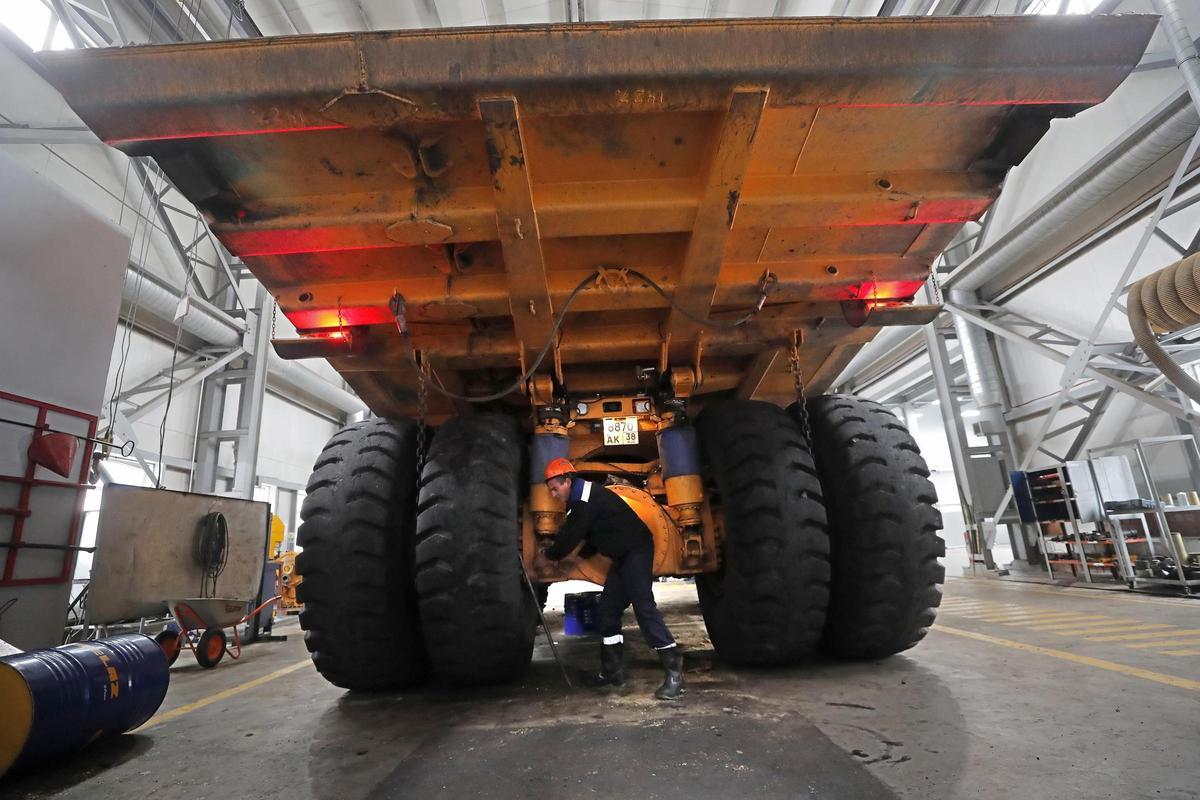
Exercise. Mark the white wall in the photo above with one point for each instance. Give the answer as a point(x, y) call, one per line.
point(292, 439)
point(99, 177)
point(925, 424)
point(57, 298)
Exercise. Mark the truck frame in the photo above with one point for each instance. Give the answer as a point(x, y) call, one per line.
point(649, 247)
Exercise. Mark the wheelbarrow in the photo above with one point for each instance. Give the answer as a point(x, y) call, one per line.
point(200, 623)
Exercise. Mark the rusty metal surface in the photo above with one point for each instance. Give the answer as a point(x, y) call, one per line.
point(484, 173)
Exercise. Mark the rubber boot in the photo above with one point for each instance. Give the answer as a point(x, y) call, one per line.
point(612, 667)
point(672, 663)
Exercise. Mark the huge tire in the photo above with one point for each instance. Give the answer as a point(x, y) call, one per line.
point(766, 605)
point(883, 528)
point(476, 611)
point(360, 616)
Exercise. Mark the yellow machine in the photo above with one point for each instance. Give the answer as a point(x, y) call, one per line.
point(650, 247)
point(275, 538)
point(287, 582)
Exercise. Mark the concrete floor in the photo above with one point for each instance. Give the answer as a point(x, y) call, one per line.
point(1022, 691)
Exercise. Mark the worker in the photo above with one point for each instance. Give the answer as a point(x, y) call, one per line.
point(598, 521)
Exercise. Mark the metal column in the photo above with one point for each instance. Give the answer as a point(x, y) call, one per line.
point(230, 420)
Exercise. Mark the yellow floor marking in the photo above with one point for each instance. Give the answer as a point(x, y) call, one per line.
point(1105, 623)
point(1080, 621)
point(997, 616)
point(1130, 637)
point(1181, 652)
point(1104, 630)
point(1099, 663)
point(188, 708)
point(1076, 592)
point(1034, 619)
point(1008, 610)
point(1172, 641)
point(1015, 615)
point(995, 610)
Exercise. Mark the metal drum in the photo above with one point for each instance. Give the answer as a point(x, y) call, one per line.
point(579, 617)
point(61, 699)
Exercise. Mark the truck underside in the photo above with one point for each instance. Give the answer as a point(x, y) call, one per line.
point(648, 247)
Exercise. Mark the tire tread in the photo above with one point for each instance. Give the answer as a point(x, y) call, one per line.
point(360, 618)
point(886, 579)
point(767, 604)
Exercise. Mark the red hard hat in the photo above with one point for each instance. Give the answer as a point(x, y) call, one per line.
point(559, 467)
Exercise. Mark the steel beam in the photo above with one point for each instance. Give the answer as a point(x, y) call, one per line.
point(716, 211)
point(759, 368)
point(1174, 409)
point(184, 384)
point(168, 225)
point(1036, 408)
point(517, 223)
point(617, 207)
point(956, 435)
point(250, 406)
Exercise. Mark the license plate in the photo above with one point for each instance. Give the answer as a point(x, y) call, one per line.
point(620, 430)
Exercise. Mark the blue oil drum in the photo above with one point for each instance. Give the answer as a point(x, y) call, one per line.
point(579, 613)
point(59, 700)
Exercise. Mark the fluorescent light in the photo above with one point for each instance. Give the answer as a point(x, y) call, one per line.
point(970, 412)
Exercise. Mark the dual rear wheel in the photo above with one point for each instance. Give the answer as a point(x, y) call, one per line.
point(403, 578)
point(837, 553)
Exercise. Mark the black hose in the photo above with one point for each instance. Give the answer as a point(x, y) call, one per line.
point(210, 550)
point(396, 304)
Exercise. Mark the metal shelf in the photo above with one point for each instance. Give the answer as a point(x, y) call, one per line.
point(1159, 512)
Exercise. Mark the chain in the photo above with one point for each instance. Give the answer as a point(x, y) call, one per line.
point(274, 311)
point(936, 288)
point(422, 406)
point(801, 400)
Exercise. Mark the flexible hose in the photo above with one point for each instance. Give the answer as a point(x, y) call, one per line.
point(1168, 300)
point(397, 306)
point(210, 550)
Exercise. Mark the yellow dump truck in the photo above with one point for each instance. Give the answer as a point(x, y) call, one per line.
point(649, 247)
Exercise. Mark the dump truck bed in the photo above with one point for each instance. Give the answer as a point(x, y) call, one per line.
point(483, 173)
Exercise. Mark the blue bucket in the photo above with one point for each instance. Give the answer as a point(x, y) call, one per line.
point(579, 613)
point(61, 699)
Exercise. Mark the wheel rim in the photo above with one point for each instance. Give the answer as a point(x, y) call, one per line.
point(214, 648)
point(170, 646)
